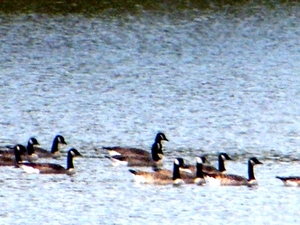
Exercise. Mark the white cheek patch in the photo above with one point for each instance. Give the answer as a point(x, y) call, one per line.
point(224, 157)
point(199, 160)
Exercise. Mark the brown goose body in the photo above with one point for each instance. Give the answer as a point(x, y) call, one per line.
point(137, 152)
point(44, 168)
point(134, 157)
point(7, 153)
point(235, 180)
point(161, 176)
point(230, 179)
point(7, 157)
point(52, 168)
point(117, 150)
point(207, 169)
point(7, 160)
point(290, 181)
point(12, 156)
point(156, 177)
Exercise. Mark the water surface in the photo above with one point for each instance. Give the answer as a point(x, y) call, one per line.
point(211, 82)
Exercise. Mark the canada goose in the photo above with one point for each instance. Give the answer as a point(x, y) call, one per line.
point(137, 157)
point(160, 176)
point(191, 169)
point(235, 180)
point(52, 168)
point(187, 173)
point(125, 151)
point(290, 181)
point(197, 177)
point(208, 169)
point(137, 161)
point(9, 152)
point(7, 160)
point(31, 155)
point(54, 153)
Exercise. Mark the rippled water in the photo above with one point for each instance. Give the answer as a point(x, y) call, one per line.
point(210, 81)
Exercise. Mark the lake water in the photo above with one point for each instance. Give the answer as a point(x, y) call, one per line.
point(211, 81)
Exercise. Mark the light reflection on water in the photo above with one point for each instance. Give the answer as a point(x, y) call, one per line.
point(211, 83)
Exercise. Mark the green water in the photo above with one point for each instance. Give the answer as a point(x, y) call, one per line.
point(129, 6)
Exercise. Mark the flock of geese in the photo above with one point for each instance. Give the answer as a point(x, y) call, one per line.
point(12, 156)
point(201, 173)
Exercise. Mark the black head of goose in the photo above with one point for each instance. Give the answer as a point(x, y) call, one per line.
point(136, 152)
point(160, 176)
point(52, 168)
point(158, 142)
point(55, 148)
point(235, 180)
point(31, 155)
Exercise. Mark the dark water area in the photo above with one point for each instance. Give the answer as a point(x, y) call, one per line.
point(117, 7)
point(212, 81)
